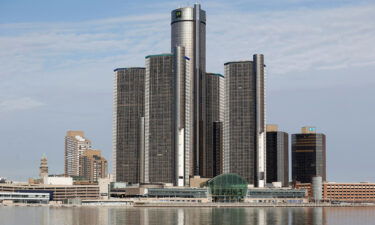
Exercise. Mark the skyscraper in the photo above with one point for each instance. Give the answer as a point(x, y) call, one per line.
point(129, 96)
point(159, 119)
point(75, 145)
point(212, 161)
point(189, 32)
point(244, 124)
point(277, 156)
point(308, 155)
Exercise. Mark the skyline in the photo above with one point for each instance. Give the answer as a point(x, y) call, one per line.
point(37, 107)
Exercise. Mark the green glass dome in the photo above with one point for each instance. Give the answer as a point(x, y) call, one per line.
point(228, 187)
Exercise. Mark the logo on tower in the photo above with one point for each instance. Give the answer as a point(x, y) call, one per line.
point(178, 14)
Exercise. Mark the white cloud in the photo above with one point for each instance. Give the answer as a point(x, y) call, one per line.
point(18, 104)
point(292, 41)
point(295, 41)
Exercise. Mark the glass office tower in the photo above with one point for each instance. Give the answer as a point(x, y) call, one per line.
point(159, 120)
point(215, 87)
point(128, 113)
point(308, 155)
point(277, 156)
point(189, 32)
point(244, 124)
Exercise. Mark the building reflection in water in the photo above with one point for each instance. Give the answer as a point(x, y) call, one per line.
point(185, 216)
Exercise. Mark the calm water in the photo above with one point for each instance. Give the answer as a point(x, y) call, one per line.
point(184, 216)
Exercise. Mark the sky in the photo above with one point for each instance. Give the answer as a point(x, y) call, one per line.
point(57, 60)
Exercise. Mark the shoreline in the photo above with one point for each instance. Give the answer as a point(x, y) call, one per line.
point(190, 205)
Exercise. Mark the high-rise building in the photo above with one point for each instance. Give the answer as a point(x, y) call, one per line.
point(189, 33)
point(43, 169)
point(159, 154)
point(128, 114)
point(308, 155)
point(93, 166)
point(277, 156)
point(215, 87)
point(244, 124)
point(75, 145)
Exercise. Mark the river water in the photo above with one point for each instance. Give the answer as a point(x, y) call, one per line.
point(43, 215)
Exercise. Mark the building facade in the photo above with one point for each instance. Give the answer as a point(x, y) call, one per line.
point(277, 156)
point(57, 192)
point(93, 166)
point(244, 123)
point(128, 112)
point(212, 161)
point(75, 145)
point(189, 32)
point(43, 169)
point(160, 151)
point(343, 192)
point(308, 155)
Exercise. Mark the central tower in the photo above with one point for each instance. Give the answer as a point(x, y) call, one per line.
point(189, 33)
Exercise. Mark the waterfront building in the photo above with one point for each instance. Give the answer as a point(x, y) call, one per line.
point(228, 187)
point(159, 147)
point(277, 156)
point(276, 195)
point(57, 192)
point(93, 166)
point(27, 198)
point(43, 169)
point(359, 192)
point(188, 36)
point(75, 145)
point(212, 161)
point(128, 112)
point(244, 123)
point(308, 155)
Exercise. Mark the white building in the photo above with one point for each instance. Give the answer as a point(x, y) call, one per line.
point(58, 180)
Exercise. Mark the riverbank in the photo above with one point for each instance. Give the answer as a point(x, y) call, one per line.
point(189, 205)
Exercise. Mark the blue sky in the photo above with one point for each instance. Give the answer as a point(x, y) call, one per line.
point(57, 60)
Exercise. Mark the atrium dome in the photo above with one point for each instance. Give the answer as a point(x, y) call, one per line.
point(229, 187)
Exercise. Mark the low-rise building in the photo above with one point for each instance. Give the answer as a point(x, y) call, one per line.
point(57, 180)
point(343, 192)
point(24, 197)
point(57, 192)
point(276, 195)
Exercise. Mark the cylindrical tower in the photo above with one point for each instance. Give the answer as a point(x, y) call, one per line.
point(317, 191)
point(189, 31)
point(258, 63)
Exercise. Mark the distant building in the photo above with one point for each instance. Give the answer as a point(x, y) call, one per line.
point(244, 124)
point(128, 112)
point(43, 169)
point(75, 145)
point(212, 160)
point(308, 155)
point(277, 156)
point(93, 166)
point(159, 156)
point(56, 180)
